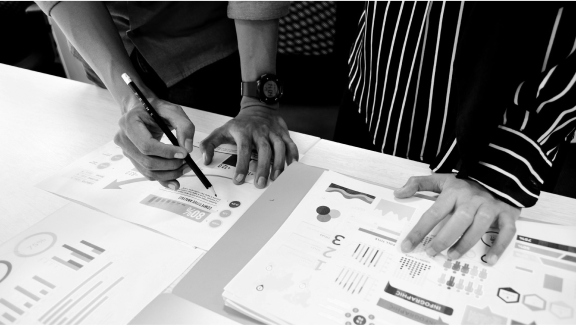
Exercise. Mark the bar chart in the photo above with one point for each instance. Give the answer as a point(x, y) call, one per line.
point(79, 254)
point(23, 297)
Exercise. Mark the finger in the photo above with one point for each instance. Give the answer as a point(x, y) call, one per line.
point(507, 231)
point(171, 184)
point(440, 209)
point(139, 135)
point(263, 169)
point(292, 154)
point(162, 176)
point(244, 147)
point(482, 219)
point(454, 228)
point(185, 133)
point(151, 163)
point(279, 156)
point(423, 183)
point(209, 143)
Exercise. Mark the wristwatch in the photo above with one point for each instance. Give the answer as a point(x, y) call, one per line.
point(268, 89)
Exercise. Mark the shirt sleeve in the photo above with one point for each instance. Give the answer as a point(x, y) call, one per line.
point(540, 115)
point(47, 6)
point(258, 10)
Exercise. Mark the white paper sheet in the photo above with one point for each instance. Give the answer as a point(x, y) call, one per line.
point(106, 180)
point(336, 260)
point(79, 266)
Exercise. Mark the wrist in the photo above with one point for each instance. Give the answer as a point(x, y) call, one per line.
point(248, 102)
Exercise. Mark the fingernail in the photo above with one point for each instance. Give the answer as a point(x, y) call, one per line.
point(493, 259)
point(431, 252)
point(276, 174)
point(239, 178)
point(172, 186)
point(205, 158)
point(179, 155)
point(262, 182)
point(186, 170)
point(189, 145)
point(406, 246)
point(453, 254)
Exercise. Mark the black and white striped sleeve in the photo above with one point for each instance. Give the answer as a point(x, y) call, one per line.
point(541, 114)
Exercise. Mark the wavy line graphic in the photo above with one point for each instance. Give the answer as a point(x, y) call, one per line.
point(350, 194)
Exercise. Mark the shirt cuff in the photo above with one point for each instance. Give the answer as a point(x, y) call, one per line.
point(258, 10)
point(512, 168)
point(47, 6)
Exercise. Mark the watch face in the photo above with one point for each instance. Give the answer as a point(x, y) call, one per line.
point(270, 89)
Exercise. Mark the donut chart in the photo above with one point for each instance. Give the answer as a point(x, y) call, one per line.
point(325, 214)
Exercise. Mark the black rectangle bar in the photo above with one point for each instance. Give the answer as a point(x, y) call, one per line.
point(78, 252)
point(92, 246)
point(546, 244)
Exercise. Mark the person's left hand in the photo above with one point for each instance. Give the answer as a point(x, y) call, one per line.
point(260, 127)
point(470, 210)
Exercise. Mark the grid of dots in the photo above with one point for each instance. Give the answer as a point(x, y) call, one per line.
point(412, 270)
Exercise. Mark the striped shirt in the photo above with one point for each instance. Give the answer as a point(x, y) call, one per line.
point(411, 77)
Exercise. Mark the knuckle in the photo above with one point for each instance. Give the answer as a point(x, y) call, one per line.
point(145, 149)
point(484, 216)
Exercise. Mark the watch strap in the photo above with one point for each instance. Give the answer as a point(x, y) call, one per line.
point(250, 89)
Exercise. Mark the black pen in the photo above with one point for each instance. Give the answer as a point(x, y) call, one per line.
point(148, 107)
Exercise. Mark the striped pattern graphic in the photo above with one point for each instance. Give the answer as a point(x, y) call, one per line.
point(349, 193)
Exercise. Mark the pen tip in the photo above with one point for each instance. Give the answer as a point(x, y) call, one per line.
point(214, 192)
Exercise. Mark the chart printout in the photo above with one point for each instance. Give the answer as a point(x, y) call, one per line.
point(106, 180)
point(79, 266)
point(336, 260)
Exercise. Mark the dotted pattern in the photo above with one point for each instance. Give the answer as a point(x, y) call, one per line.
point(308, 29)
point(412, 270)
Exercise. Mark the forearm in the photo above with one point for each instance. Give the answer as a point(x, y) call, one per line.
point(257, 44)
point(90, 29)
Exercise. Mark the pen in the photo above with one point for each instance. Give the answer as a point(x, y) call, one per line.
point(148, 107)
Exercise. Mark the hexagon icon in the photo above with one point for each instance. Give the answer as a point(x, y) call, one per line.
point(508, 295)
point(561, 310)
point(534, 302)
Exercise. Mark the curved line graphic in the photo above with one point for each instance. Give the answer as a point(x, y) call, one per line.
point(350, 196)
point(8, 266)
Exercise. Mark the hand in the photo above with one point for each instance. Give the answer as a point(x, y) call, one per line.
point(139, 137)
point(470, 210)
point(256, 126)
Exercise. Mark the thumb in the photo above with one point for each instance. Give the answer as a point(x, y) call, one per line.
point(178, 119)
point(421, 183)
point(209, 143)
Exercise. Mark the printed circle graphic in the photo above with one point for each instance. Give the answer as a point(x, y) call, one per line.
point(103, 165)
point(116, 157)
point(235, 204)
point(323, 218)
point(323, 210)
point(334, 213)
point(215, 223)
point(225, 213)
point(260, 287)
point(35, 244)
point(5, 269)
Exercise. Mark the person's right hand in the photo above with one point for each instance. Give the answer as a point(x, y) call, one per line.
point(139, 137)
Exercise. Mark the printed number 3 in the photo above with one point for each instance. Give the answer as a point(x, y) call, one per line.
point(337, 239)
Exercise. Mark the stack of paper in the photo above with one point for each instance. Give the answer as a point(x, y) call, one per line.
point(336, 260)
